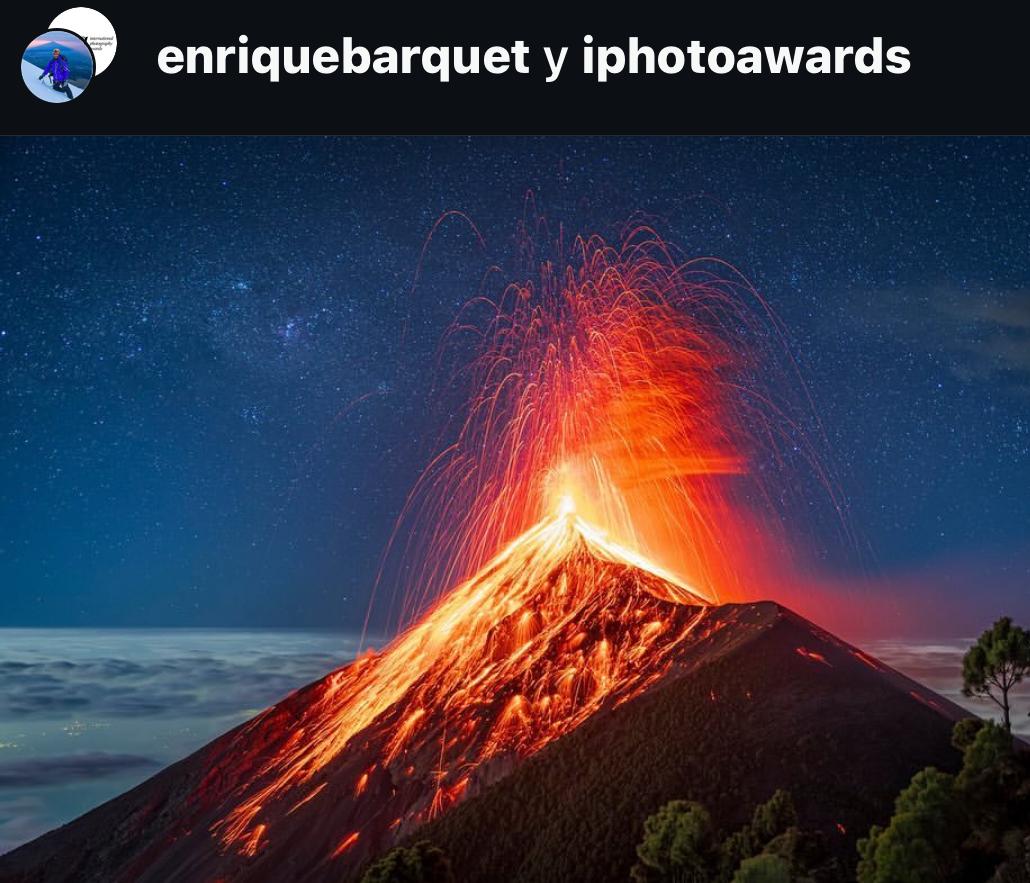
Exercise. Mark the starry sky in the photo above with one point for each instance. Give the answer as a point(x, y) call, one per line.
point(213, 359)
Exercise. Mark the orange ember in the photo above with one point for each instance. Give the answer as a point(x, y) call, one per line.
point(630, 386)
point(346, 844)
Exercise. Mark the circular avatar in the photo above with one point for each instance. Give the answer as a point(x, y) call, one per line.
point(57, 66)
point(95, 28)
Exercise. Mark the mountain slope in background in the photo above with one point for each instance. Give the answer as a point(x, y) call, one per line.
point(532, 719)
point(792, 708)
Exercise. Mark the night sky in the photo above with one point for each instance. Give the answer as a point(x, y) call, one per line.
point(186, 325)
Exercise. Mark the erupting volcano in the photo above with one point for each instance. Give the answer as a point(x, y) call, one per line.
point(562, 623)
point(567, 555)
point(654, 393)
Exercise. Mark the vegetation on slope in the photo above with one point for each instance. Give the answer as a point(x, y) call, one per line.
point(840, 734)
point(973, 826)
point(680, 844)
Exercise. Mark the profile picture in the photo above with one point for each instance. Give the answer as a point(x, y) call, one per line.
point(57, 66)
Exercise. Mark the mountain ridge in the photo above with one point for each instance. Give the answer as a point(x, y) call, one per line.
point(563, 630)
point(842, 733)
point(87, 848)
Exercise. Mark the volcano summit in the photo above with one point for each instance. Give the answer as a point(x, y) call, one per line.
point(563, 639)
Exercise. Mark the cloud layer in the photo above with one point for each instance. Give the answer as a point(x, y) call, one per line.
point(938, 665)
point(38, 771)
point(86, 714)
point(200, 678)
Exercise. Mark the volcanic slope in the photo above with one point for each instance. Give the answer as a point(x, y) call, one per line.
point(558, 696)
point(790, 706)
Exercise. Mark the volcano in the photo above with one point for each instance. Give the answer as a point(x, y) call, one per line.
point(557, 697)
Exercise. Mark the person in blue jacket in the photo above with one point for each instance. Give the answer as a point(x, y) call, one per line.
point(59, 72)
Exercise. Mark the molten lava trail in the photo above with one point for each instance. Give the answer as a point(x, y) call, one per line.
point(562, 623)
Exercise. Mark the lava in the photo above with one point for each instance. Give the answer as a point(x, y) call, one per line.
point(634, 386)
point(561, 623)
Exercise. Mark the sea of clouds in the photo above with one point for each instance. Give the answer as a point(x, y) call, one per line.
point(86, 714)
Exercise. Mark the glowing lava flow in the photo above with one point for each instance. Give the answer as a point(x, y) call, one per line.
point(562, 623)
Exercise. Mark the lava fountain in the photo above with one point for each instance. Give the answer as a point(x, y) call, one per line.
point(652, 392)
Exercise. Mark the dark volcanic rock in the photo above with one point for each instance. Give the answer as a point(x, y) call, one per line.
point(791, 708)
point(533, 718)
